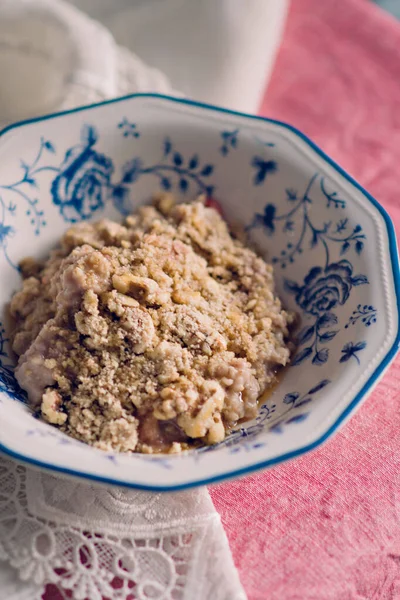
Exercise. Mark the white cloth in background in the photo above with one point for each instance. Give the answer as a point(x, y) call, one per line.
point(217, 51)
point(99, 541)
point(52, 56)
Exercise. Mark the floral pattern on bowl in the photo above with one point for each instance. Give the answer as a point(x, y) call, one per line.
point(332, 246)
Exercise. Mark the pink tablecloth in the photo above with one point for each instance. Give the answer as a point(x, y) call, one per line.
point(327, 526)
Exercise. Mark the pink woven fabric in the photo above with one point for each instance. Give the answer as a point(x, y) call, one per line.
point(327, 526)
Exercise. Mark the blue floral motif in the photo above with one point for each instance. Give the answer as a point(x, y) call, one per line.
point(50, 432)
point(325, 288)
point(23, 187)
point(173, 170)
point(190, 171)
point(332, 199)
point(330, 233)
point(237, 441)
point(160, 461)
point(351, 349)
point(263, 143)
point(128, 128)
point(263, 168)
point(83, 183)
point(229, 141)
point(293, 401)
point(367, 314)
point(246, 446)
point(6, 231)
point(8, 383)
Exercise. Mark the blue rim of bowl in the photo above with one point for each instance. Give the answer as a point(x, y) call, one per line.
point(367, 387)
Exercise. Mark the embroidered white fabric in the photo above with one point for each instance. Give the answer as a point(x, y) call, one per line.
point(88, 542)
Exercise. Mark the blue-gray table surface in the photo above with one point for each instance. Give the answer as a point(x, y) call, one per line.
point(392, 6)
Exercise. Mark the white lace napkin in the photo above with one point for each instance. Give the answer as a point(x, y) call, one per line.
point(97, 542)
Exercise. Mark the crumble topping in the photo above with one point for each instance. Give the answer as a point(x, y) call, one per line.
point(152, 335)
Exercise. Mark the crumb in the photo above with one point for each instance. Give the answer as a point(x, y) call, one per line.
point(150, 336)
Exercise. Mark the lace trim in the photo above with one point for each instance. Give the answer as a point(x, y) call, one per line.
point(97, 542)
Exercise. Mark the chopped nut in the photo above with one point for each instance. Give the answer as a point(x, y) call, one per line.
point(206, 348)
point(176, 448)
point(148, 336)
point(164, 202)
point(51, 403)
point(250, 305)
point(50, 363)
point(141, 288)
point(127, 300)
point(216, 433)
point(29, 267)
point(198, 425)
point(188, 297)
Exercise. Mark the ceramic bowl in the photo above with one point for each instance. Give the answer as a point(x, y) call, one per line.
point(332, 245)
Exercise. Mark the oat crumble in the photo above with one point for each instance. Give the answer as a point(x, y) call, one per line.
point(149, 336)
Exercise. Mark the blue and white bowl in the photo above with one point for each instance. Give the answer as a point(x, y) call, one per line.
point(332, 245)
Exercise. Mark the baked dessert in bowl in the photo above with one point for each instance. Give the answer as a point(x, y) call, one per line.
point(150, 336)
point(335, 266)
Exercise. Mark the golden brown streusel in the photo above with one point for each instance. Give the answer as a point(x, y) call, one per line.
point(149, 335)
